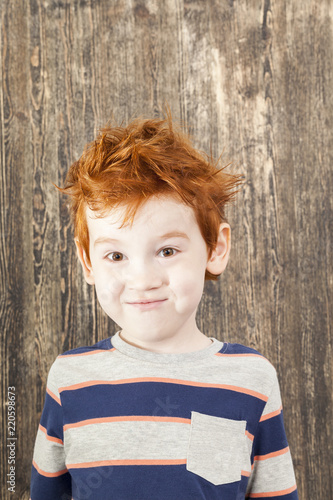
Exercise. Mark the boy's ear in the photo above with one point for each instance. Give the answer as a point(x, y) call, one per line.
point(86, 267)
point(220, 256)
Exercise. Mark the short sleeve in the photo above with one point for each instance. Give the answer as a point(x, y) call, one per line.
point(272, 468)
point(49, 476)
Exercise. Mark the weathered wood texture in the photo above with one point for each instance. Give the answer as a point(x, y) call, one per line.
point(251, 76)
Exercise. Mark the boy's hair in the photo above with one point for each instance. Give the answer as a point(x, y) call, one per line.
point(128, 165)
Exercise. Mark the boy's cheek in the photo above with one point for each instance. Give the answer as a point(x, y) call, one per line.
point(109, 292)
point(188, 290)
point(189, 279)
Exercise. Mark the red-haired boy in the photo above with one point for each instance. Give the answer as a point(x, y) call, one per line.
point(159, 411)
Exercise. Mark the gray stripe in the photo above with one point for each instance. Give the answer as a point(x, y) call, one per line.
point(130, 440)
point(274, 402)
point(48, 455)
point(264, 474)
point(252, 373)
point(209, 445)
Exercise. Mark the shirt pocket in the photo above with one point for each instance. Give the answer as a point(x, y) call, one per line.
point(218, 449)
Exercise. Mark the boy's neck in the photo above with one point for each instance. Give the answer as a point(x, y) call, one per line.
point(193, 342)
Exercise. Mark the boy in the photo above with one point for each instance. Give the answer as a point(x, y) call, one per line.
point(159, 411)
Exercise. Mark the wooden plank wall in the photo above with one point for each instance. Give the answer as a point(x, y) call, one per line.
point(253, 77)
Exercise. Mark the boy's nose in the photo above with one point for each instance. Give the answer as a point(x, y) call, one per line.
point(144, 277)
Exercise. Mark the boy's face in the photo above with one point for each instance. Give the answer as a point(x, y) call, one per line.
point(162, 259)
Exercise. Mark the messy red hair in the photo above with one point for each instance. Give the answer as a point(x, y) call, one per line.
point(127, 165)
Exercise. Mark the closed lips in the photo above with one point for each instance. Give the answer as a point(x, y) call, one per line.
point(147, 301)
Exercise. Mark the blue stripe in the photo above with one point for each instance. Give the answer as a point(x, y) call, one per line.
point(270, 436)
point(167, 482)
point(159, 399)
point(50, 488)
point(103, 344)
point(240, 349)
point(51, 416)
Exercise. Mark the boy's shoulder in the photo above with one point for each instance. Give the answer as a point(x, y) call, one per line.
point(242, 351)
point(78, 364)
point(248, 357)
point(233, 348)
point(102, 345)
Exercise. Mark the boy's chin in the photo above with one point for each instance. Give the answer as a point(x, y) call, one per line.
point(146, 334)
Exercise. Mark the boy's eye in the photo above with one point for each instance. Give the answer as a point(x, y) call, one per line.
point(115, 256)
point(167, 252)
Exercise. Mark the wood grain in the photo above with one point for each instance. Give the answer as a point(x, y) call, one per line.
point(253, 78)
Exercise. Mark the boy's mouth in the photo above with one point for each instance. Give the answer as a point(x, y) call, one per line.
point(147, 303)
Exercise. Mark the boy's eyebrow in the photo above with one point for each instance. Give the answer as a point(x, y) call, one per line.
point(172, 234)
point(105, 240)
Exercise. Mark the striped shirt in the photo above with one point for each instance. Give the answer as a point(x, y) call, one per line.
point(124, 423)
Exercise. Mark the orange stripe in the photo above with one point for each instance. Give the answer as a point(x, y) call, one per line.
point(103, 463)
point(271, 455)
point(242, 355)
point(90, 383)
point(86, 353)
point(53, 396)
point(245, 473)
point(130, 418)
point(249, 435)
point(271, 415)
point(49, 474)
point(273, 493)
point(50, 438)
